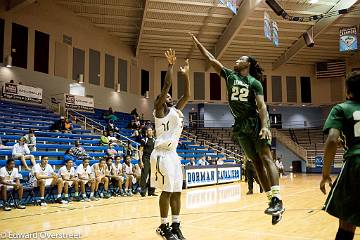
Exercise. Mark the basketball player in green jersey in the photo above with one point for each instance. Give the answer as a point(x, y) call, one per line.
point(343, 121)
point(251, 129)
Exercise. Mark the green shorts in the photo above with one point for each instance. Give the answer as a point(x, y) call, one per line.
point(343, 200)
point(246, 133)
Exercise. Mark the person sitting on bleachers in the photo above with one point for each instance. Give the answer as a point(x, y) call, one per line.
point(86, 176)
point(111, 152)
point(191, 162)
point(210, 160)
point(129, 175)
point(111, 128)
point(104, 139)
point(137, 137)
point(67, 126)
point(79, 152)
point(69, 156)
point(31, 140)
point(59, 125)
point(109, 115)
point(69, 177)
point(202, 161)
point(100, 171)
point(118, 176)
point(42, 176)
point(134, 113)
point(220, 161)
point(3, 147)
point(21, 151)
point(10, 180)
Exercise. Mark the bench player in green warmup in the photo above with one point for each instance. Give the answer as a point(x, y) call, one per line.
point(252, 130)
point(343, 200)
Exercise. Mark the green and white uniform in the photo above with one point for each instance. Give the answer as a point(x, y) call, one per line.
point(242, 92)
point(343, 200)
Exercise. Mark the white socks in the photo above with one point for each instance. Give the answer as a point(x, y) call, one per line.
point(164, 221)
point(175, 218)
point(275, 191)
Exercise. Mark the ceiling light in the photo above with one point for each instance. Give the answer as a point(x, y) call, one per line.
point(118, 88)
point(8, 61)
point(313, 1)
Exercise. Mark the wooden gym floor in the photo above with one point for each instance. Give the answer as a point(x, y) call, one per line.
point(216, 212)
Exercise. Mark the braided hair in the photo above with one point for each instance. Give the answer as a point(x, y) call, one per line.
point(255, 70)
point(353, 85)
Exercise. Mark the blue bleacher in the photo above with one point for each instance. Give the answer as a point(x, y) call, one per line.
point(16, 119)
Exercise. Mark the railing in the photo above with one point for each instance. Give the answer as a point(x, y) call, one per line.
point(284, 139)
point(86, 121)
point(218, 149)
point(98, 126)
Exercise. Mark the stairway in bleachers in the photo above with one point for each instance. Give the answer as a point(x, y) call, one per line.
point(313, 140)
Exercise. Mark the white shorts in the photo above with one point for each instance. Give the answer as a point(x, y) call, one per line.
point(48, 182)
point(166, 171)
point(69, 182)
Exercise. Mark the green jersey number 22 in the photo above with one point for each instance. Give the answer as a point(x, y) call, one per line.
point(239, 94)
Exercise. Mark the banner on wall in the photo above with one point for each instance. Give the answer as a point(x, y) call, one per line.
point(275, 33)
point(319, 161)
point(228, 174)
point(22, 93)
point(348, 39)
point(267, 26)
point(79, 103)
point(200, 176)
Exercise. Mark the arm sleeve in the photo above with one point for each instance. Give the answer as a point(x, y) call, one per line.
point(257, 87)
point(335, 119)
point(2, 173)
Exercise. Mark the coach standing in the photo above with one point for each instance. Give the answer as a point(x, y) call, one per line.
point(147, 146)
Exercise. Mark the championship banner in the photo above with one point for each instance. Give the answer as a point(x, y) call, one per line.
point(228, 174)
point(22, 93)
point(319, 161)
point(275, 33)
point(267, 26)
point(201, 176)
point(348, 39)
point(79, 103)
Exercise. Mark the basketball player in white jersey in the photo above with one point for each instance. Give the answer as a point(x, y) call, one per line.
point(166, 172)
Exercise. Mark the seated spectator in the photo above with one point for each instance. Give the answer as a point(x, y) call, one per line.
point(69, 177)
point(22, 152)
point(117, 175)
point(129, 149)
point(104, 140)
point(191, 162)
point(137, 137)
point(111, 128)
point(86, 176)
point(69, 155)
point(42, 176)
point(129, 175)
point(280, 166)
point(220, 161)
point(111, 152)
point(30, 140)
point(100, 170)
point(68, 127)
point(211, 161)
point(10, 180)
point(3, 147)
point(109, 115)
point(137, 122)
point(134, 113)
point(202, 162)
point(79, 152)
point(59, 125)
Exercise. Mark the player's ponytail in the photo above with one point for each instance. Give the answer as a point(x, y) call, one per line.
point(353, 85)
point(255, 70)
